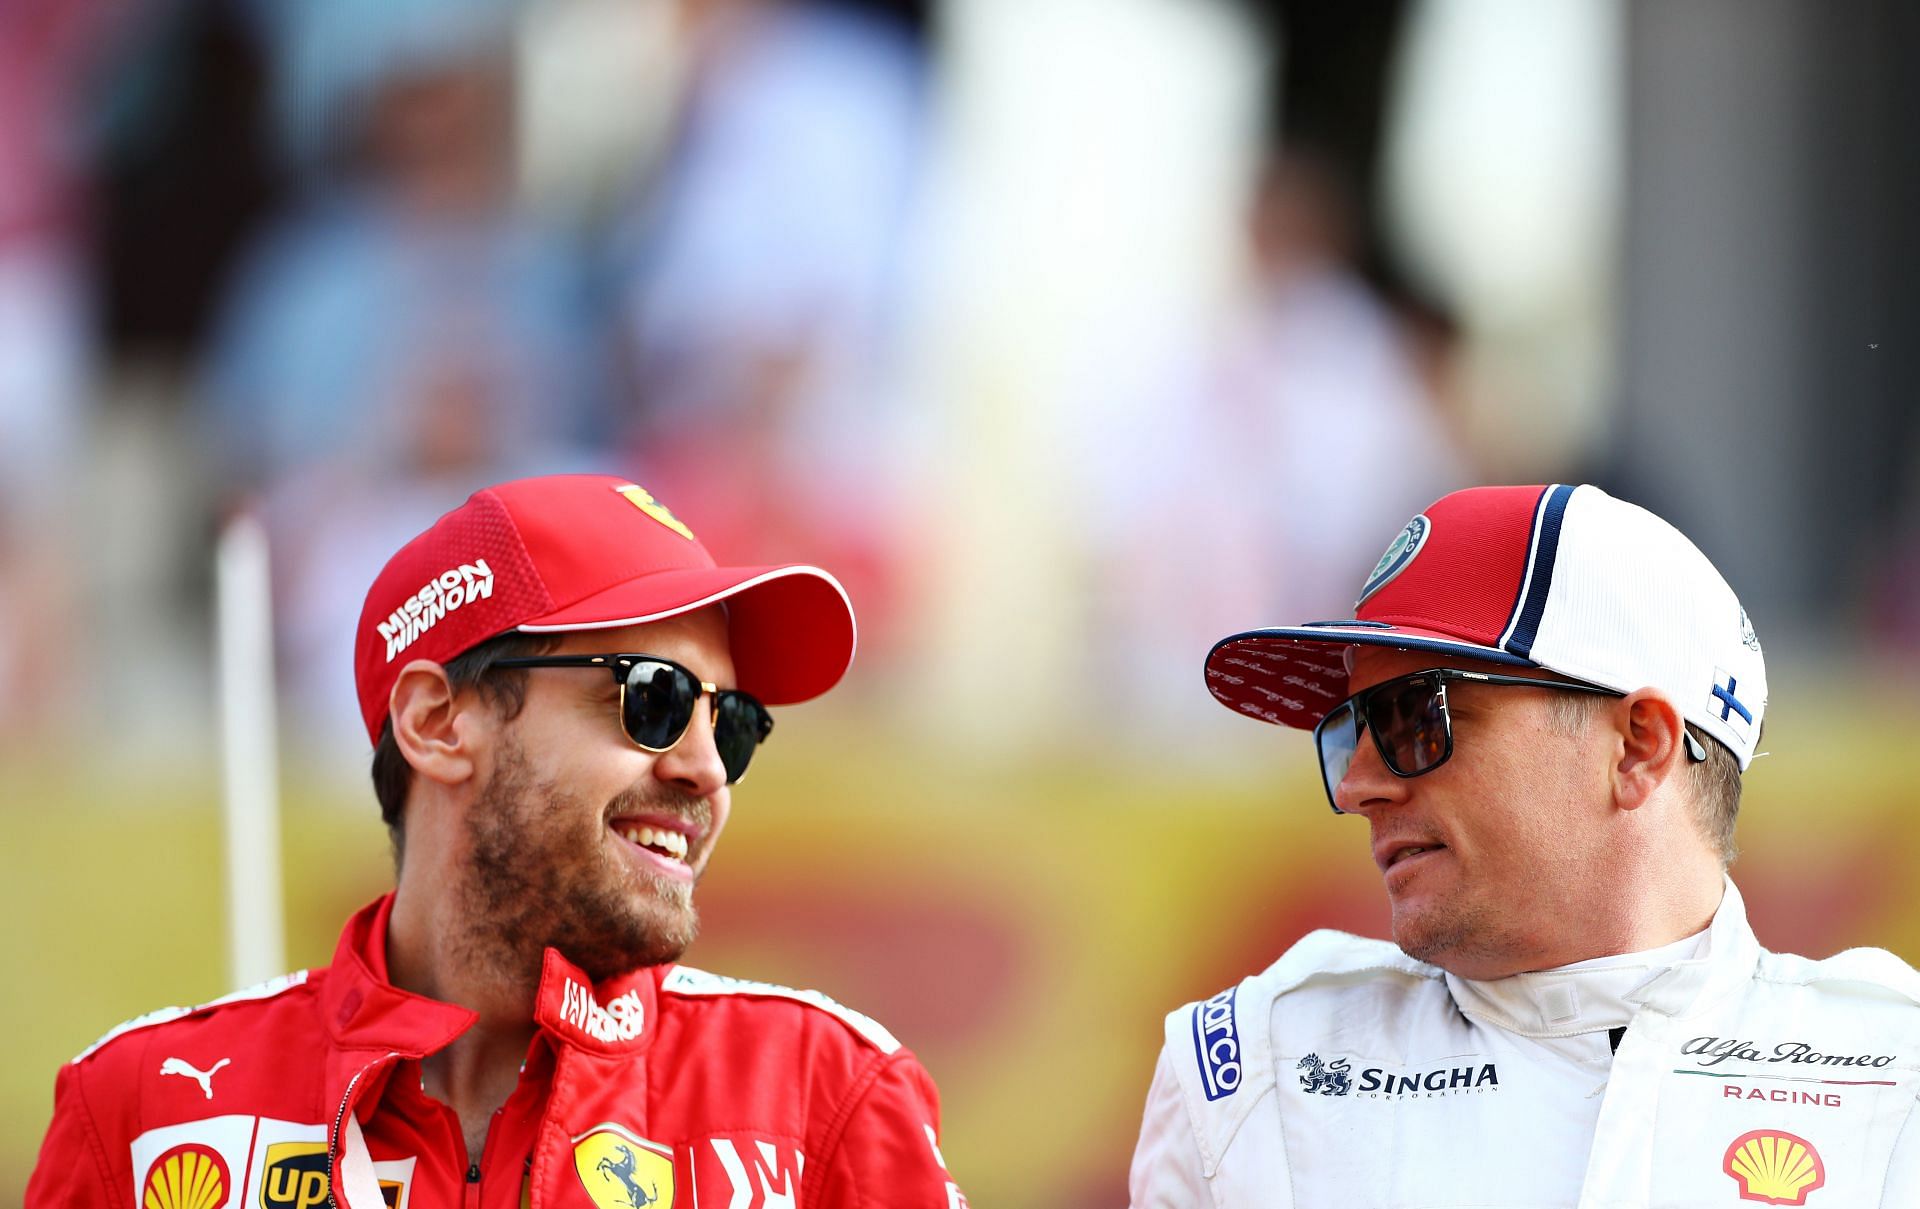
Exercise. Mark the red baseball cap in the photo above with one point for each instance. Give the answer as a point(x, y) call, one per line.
point(589, 552)
point(1560, 577)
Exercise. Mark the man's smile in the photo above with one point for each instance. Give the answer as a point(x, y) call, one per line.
point(666, 842)
point(659, 842)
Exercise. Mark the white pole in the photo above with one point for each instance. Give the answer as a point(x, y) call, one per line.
point(256, 940)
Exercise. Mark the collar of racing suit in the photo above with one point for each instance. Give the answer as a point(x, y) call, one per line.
point(1590, 996)
point(374, 1025)
point(367, 1015)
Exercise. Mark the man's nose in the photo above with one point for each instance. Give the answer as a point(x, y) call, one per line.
point(693, 764)
point(1368, 783)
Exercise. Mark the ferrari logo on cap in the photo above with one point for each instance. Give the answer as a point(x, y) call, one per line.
point(642, 499)
point(1774, 1167)
point(621, 1171)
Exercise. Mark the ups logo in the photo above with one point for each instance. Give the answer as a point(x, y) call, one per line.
point(296, 1178)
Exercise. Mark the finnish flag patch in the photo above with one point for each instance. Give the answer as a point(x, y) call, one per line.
point(1725, 702)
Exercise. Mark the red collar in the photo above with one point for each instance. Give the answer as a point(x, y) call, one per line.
point(616, 1016)
point(365, 1011)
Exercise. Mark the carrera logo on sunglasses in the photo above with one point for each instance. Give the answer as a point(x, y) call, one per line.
point(1216, 1044)
point(443, 594)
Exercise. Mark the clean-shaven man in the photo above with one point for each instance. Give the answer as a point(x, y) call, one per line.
point(1541, 711)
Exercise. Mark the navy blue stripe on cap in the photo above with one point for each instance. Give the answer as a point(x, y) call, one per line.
point(1546, 548)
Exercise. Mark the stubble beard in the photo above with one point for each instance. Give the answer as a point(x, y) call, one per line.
point(1450, 932)
point(542, 874)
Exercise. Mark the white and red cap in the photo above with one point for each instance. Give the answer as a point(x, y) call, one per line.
point(1563, 578)
point(590, 552)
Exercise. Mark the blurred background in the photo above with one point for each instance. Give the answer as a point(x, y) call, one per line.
point(1071, 334)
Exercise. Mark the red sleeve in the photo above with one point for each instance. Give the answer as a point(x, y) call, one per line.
point(72, 1170)
point(888, 1152)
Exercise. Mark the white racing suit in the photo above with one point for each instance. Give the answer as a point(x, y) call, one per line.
point(1348, 1074)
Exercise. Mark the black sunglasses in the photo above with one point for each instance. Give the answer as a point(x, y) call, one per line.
point(1411, 727)
point(657, 697)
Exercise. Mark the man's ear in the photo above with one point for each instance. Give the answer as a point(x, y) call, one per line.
point(1652, 746)
point(432, 725)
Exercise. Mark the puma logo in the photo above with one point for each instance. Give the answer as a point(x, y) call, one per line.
point(179, 1066)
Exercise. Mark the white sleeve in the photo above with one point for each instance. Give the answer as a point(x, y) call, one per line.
point(1166, 1164)
point(1903, 1173)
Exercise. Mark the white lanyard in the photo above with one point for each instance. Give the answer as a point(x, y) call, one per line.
point(360, 1188)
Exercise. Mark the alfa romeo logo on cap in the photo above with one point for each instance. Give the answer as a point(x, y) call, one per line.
point(1400, 553)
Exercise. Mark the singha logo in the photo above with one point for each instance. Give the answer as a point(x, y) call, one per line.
point(1326, 1079)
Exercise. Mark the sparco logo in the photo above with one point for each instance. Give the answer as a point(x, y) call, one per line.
point(618, 1021)
point(1712, 1051)
point(443, 594)
point(1216, 1044)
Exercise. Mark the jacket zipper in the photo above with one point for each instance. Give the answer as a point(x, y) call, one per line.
point(339, 1123)
point(472, 1200)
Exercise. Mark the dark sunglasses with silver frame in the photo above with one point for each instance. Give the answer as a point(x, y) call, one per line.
point(657, 699)
point(1411, 728)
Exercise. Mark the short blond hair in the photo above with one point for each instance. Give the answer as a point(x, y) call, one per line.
point(1715, 782)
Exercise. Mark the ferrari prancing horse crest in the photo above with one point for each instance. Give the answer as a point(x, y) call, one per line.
point(621, 1171)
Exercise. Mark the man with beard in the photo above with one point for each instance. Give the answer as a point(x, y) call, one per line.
point(1542, 709)
point(561, 687)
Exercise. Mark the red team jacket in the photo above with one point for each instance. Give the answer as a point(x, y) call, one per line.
point(659, 1088)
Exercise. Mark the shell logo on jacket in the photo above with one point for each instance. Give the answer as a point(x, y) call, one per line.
point(187, 1177)
point(1774, 1166)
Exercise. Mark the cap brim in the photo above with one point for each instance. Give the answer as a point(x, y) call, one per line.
point(791, 628)
point(1294, 676)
